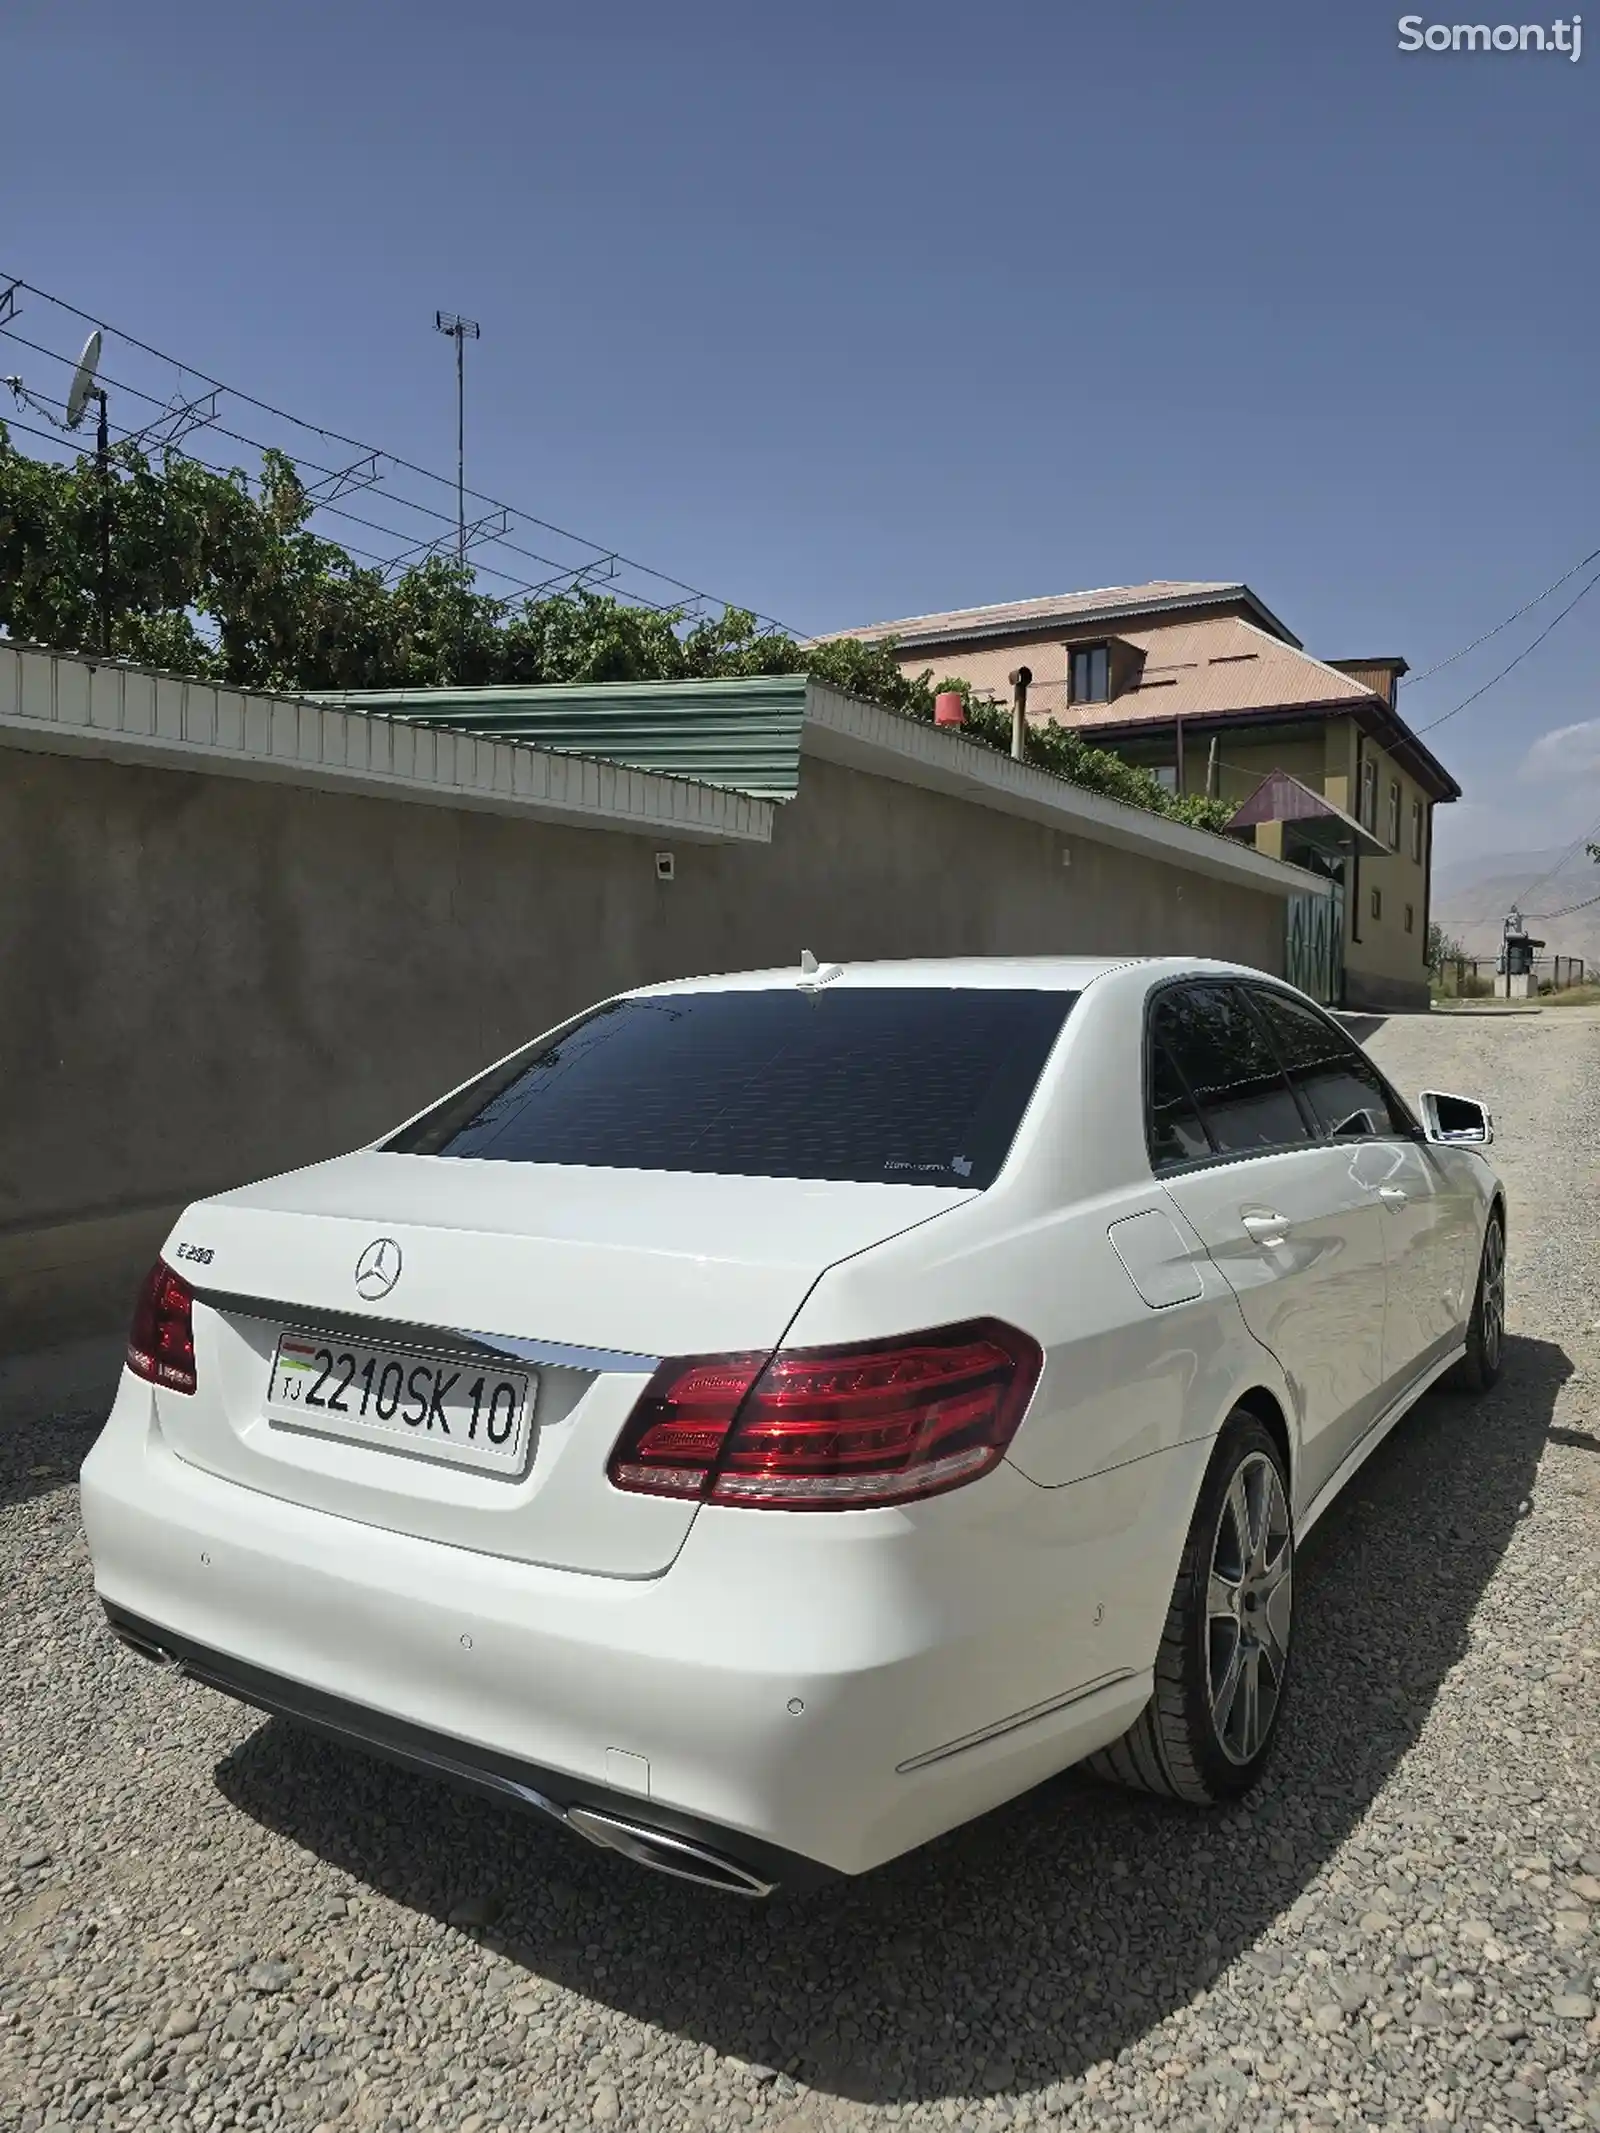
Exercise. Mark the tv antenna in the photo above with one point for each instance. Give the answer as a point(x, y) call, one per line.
point(84, 388)
point(460, 330)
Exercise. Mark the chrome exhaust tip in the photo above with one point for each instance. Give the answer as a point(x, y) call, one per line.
point(664, 1853)
point(146, 1648)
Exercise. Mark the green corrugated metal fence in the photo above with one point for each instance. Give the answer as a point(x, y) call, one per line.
point(741, 734)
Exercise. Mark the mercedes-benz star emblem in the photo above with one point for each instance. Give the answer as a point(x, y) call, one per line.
point(378, 1269)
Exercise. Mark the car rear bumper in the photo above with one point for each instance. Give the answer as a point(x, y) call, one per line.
point(797, 1693)
point(656, 1836)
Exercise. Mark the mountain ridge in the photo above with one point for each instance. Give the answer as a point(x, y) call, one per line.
point(1472, 897)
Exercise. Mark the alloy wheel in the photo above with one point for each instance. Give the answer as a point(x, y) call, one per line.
point(1249, 1609)
point(1494, 1296)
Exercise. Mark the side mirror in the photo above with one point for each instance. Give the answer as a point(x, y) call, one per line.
point(1455, 1120)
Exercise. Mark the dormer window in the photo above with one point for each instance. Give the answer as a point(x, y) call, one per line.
point(1089, 674)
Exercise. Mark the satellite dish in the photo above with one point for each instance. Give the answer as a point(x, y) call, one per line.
point(83, 380)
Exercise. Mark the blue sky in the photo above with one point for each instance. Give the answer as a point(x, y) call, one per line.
point(851, 311)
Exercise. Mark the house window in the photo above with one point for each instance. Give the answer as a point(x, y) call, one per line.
point(1416, 832)
point(1369, 794)
point(1377, 903)
point(1394, 814)
point(1411, 918)
point(1090, 680)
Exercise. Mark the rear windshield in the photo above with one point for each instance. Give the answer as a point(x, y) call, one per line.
point(892, 1086)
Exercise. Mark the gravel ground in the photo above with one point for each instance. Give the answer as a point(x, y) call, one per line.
point(209, 1921)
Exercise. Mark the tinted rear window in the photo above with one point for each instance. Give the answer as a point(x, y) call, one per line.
point(893, 1086)
point(1177, 1133)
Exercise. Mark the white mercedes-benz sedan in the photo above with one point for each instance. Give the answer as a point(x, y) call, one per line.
point(771, 1419)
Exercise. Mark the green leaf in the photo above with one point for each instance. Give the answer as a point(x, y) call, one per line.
point(218, 575)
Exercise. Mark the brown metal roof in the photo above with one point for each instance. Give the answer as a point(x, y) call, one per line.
point(1283, 798)
point(1224, 670)
point(1107, 603)
point(1204, 665)
point(1215, 663)
point(1217, 667)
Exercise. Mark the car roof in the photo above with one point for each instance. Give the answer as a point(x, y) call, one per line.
point(1028, 973)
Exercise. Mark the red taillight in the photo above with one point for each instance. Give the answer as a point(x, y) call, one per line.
point(820, 1429)
point(161, 1343)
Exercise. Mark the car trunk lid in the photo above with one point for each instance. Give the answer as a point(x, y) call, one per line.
point(575, 1280)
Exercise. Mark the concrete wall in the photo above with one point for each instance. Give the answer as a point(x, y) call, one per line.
point(205, 979)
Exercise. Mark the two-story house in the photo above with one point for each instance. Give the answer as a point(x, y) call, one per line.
point(1203, 685)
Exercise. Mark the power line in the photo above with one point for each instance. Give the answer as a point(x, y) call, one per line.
point(326, 507)
point(1411, 681)
point(127, 433)
point(27, 429)
point(601, 558)
point(1550, 873)
point(600, 553)
point(1565, 912)
point(1506, 669)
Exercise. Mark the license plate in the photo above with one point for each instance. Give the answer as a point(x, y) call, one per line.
point(458, 1409)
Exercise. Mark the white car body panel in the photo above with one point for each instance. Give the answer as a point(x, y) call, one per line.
point(841, 1686)
point(653, 1262)
point(1082, 1420)
point(631, 1265)
point(1435, 1201)
point(1311, 1291)
point(900, 1633)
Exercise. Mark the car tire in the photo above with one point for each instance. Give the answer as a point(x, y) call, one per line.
point(1223, 1666)
point(1480, 1367)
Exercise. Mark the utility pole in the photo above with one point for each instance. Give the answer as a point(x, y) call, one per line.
point(460, 330)
point(84, 388)
point(102, 454)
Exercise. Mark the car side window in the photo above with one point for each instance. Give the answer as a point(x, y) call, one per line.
point(1219, 1052)
point(1174, 1128)
point(1338, 1083)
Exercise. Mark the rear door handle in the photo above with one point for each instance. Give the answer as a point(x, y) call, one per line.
point(1264, 1226)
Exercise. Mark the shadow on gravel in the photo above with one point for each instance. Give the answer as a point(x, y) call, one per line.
point(39, 1453)
point(1013, 1954)
point(53, 1403)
